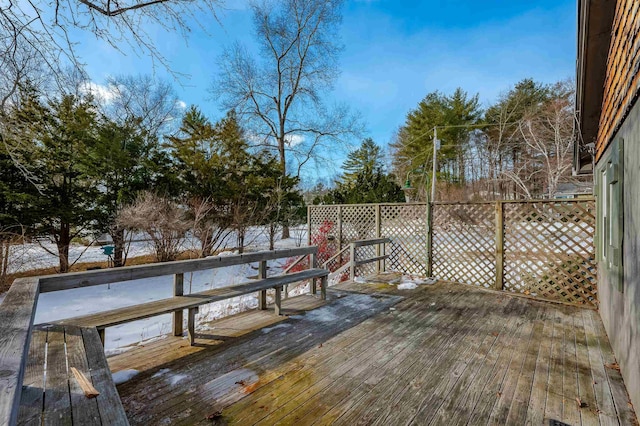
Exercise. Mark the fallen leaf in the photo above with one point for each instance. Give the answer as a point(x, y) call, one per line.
point(527, 292)
point(494, 334)
point(215, 415)
point(499, 393)
point(320, 345)
point(613, 366)
point(240, 382)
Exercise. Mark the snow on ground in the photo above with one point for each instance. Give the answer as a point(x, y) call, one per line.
point(32, 256)
point(407, 286)
point(70, 303)
point(87, 300)
point(124, 376)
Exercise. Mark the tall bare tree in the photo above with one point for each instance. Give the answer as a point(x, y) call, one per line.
point(547, 134)
point(280, 92)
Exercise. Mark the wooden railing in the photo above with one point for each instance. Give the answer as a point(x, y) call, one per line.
point(350, 252)
point(17, 310)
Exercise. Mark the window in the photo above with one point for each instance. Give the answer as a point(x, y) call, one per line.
point(610, 211)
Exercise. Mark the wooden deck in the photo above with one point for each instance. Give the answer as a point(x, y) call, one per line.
point(440, 354)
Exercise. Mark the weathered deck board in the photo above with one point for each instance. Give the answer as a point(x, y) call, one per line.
point(445, 354)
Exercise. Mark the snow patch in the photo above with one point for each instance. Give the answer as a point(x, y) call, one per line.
point(174, 379)
point(124, 376)
point(117, 351)
point(360, 280)
point(321, 315)
point(275, 327)
point(161, 373)
point(410, 282)
point(407, 286)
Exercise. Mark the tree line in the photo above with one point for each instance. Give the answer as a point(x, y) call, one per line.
point(518, 147)
point(79, 167)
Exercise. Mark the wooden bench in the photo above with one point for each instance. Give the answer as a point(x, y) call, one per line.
point(191, 302)
point(53, 393)
point(24, 359)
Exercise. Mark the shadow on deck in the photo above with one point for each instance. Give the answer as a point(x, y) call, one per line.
point(440, 354)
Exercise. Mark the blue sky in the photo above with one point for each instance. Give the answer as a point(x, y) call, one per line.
point(395, 52)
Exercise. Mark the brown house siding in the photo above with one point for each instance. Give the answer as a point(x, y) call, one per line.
point(623, 72)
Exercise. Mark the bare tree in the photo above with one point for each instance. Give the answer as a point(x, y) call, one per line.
point(280, 92)
point(160, 218)
point(46, 32)
point(151, 101)
point(210, 224)
point(547, 134)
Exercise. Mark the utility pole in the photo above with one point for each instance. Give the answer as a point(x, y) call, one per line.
point(433, 175)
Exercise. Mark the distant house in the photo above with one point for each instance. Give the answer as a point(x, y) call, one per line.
point(570, 190)
point(608, 82)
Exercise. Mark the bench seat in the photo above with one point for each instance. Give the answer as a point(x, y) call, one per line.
point(191, 302)
point(51, 394)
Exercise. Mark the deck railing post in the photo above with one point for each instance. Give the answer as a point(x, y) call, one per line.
point(429, 230)
point(499, 245)
point(339, 228)
point(262, 295)
point(352, 261)
point(313, 264)
point(378, 232)
point(384, 261)
point(178, 290)
point(308, 225)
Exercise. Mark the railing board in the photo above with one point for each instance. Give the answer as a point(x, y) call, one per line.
point(371, 260)
point(373, 241)
point(109, 404)
point(92, 278)
point(16, 316)
point(165, 306)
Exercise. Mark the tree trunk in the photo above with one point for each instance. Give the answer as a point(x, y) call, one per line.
point(283, 168)
point(63, 242)
point(5, 247)
point(205, 245)
point(240, 241)
point(272, 235)
point(117, 234)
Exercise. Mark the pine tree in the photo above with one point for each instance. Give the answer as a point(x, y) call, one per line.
point(366, 157)
point(58, 137)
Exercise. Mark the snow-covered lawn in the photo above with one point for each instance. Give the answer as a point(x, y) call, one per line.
point(70, 303)
point(26, 257)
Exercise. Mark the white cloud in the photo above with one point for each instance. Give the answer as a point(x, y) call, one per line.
point(102, 93)
point(294, 140)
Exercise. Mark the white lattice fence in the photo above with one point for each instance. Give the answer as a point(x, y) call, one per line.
point(464, 243)
point(324, 231)
point(549, 250)
point(540, 248)
point(406, 226)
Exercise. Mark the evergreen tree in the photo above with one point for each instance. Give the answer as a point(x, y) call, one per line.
point(121, 155)
point(456, 115)
point(369, 186)
point(366, 157)
point(58, 137)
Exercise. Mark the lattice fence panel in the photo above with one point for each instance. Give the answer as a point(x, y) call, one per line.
point(362, 253)
point(406, 226)
point(463, 241)
point(549, 250)
point(358, 222)
point(324, 232)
